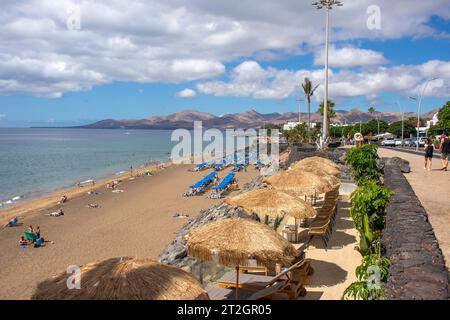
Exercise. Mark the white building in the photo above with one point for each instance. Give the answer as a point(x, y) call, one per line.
point(291, 125)
point(423, 131)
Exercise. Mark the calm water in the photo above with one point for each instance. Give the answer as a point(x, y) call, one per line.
point(38, 161)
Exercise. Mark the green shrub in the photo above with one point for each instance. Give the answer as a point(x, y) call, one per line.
point(368, 212)
point(363, 163)
point(372, 276)
point(370, 199)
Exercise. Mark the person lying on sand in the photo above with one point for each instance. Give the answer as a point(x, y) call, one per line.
point(56, 213)
point(13, 222)
point(93, 206)
point(180, 215)
point(95, 193)
point(39, 242)
point(23, 243)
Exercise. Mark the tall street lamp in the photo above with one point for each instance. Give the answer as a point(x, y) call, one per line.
point(403, 114)
point(419, 108)
point(299, 105)
point(328, 5)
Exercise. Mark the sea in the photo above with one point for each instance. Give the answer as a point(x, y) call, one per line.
point(38, 161)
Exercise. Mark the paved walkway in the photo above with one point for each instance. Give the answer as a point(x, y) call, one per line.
point(433, 190)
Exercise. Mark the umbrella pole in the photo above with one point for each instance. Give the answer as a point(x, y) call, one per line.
point(296, 231)
point(237, 282)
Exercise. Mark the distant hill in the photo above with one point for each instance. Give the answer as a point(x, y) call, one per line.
point(247, 119)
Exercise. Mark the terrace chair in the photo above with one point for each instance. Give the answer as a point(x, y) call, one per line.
point(320, 229)
point(328, 213)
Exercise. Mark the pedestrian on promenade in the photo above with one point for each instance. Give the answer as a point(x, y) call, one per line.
point(429, 148)
point(445, 151)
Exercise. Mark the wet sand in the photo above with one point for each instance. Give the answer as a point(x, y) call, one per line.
point(137, 222)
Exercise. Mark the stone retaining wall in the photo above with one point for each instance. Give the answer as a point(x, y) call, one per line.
point(417, 265)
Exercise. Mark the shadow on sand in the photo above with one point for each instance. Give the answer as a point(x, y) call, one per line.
point(329, 274)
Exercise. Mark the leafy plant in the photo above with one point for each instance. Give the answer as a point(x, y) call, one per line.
point(444, 116)
point(396, 129)
point(363, 163)
point(299, 134)
point(370, 200)
point(372, 276)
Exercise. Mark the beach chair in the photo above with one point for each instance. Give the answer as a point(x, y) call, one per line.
point(254, 269)
point(268, 292)
point(290, 282)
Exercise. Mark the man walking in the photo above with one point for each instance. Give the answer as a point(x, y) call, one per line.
point(445, 151)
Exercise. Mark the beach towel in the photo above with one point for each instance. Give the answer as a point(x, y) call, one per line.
point(30, 236)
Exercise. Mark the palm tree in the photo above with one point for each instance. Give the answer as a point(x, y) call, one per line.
point(308, 89)
point(371, 110)
point(330, 113)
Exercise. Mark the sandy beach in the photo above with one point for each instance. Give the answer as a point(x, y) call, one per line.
point(138, 222)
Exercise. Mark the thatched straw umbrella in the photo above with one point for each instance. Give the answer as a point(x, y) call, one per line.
point(299, 183)
point(124, 279)
point(317, 160)
point(273, 203)
point(333, 180)
point(234, 241)
point(319, 167)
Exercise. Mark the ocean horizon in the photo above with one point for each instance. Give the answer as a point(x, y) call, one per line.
point(38, 161)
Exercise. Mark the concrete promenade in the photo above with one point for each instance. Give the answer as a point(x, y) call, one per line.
point(433, 190)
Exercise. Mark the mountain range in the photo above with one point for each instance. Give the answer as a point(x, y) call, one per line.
point(247, 119)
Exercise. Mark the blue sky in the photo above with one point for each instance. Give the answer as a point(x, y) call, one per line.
point(225, 60)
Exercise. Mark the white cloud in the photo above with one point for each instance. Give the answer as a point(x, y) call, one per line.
point(187, 93)
point(271, 83)
point(349, 57)
point(177, 41)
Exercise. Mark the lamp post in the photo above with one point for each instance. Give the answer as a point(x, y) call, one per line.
point(328, 5)
point(299, 104)
point(419, 108)
point(403, 114)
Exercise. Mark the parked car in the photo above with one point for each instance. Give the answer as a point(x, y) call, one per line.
point(421, 142)
point(398, 142)
point(407, 142)
point(388, 142)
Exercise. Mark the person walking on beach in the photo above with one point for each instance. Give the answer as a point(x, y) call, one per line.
point(445, 151)
point(429, 148)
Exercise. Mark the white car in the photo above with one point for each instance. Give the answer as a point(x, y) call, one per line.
point(388, 143)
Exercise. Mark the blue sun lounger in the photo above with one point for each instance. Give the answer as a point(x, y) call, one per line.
point(222, 186)
point(200, 185)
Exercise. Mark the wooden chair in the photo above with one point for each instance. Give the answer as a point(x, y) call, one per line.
point(254, 269)
point(289, 282)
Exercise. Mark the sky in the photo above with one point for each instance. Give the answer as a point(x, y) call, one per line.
point(71, 62)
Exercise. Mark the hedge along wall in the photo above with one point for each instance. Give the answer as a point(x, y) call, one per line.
point(417, 265)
